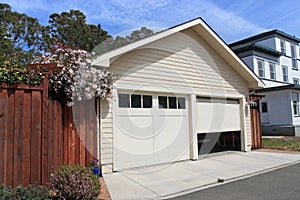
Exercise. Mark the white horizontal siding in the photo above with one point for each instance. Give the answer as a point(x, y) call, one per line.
point(188, 63)
point(248, 130)
point(106, 132)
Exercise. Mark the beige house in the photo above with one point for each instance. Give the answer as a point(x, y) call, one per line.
point(173, 91)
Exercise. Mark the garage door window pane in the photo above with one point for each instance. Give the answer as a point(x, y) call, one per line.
point(124, 101)
point(136, 101)
point(172, 103)
point(162, 101)
point(147, 101)
point(181, 103)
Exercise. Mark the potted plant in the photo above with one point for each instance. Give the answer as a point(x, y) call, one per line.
point(95, 167)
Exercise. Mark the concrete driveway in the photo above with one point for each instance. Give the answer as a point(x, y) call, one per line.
point(170, 180)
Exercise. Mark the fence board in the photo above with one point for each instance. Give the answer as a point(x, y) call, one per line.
point(45, 129)
point(25, 140)
point(82, 132)
point(8, 178)
point(3, 117)
point(36, 128)
point(17, 132)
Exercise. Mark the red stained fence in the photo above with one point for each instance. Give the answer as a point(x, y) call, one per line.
point(37, 135)
point(256, 131)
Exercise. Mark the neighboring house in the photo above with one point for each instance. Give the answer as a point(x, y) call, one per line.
point(274, 57)
point(171, 88)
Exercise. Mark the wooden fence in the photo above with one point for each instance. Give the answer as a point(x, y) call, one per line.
point(256, 131)
point(37, 135)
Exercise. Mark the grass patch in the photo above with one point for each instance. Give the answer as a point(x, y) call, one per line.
point(286, 144)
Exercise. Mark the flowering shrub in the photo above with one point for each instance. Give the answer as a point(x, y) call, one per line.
point(74, 182)
point(15, 75)
point(77, 78)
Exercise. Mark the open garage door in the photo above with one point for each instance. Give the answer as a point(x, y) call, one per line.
point(150, 129)
point(219, 125)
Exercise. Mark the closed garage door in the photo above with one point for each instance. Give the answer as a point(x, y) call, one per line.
point(150, 129)
point(218, 115)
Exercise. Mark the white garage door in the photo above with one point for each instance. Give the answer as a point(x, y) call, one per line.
point(150, 129)
point(218, 115)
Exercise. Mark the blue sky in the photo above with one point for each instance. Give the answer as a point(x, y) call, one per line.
point(231, 19)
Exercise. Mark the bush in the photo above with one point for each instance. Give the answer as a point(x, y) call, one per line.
point(74, 182)
point(6, 193)
point(20, 192)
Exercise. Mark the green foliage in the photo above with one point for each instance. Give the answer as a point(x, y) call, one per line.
point(70, 28)
point(6, 192)
point(22, 37)
point(119, 41)
point(15, 75)
point(20, 192)
point(74, 182)
point(285, 143)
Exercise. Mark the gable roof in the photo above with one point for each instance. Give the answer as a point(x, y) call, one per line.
point(201, 28)
point(266, 35)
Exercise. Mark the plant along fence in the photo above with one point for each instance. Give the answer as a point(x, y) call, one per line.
point(15, 75)
point(77, 79)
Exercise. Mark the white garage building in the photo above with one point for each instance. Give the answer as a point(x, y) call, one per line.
point(170, 89)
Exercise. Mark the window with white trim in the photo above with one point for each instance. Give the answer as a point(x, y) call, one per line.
point(171, 102)
point(296, 81)
point(272, 71)
point(294, 57)
point(135, 101)
point(282, 47)
point(261, 68)
point(264, 107)
point(295, 99)
point(285, 76)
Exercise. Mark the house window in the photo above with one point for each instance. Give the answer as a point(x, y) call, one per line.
point(294, 57)
point(272, 71)
point(264, 107)
point(147, 101)
point(171, 102)
point(181, 102)
point(295, 99)
point(261, 69)
point(285, 74)
point(163, 102)
point(282, 46)
point(296, 81)
point(124, 101)
point(135, 101)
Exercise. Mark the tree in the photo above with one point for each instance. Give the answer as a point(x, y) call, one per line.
point(22, 37)
point(119, 41)
point(70, 28)
point(139, 34)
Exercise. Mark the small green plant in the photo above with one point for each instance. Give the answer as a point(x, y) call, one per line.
point(36, 192)
point(74, 182)
point(6, 192)
point(16, 75)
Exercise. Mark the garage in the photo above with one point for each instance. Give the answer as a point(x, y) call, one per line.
point(219, 124)
point(151, 128)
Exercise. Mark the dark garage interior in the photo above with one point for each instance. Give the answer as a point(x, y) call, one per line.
point(217, 142)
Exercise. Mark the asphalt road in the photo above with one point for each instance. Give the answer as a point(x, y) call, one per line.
point(281, 184)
